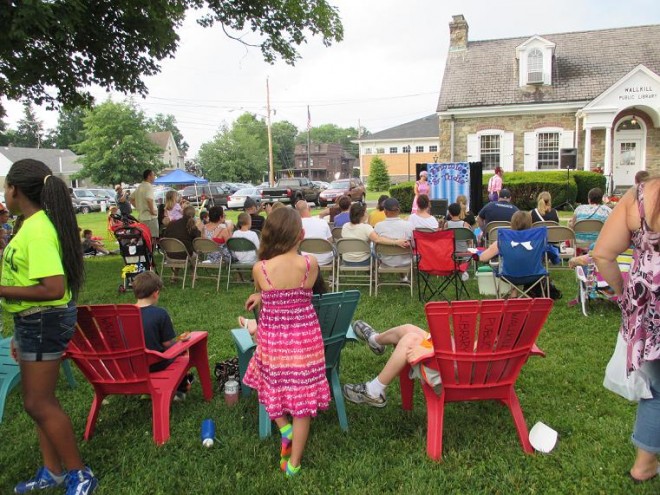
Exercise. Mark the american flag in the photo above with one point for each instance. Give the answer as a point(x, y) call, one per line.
point(309, 119)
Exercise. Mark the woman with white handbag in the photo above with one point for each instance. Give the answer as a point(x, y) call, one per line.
point(636, 220)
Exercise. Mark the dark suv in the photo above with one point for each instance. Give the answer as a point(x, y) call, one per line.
point(343, 187)
point(214, 192)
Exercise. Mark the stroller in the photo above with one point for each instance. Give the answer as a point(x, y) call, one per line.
point(134, 240)
point(591, 285)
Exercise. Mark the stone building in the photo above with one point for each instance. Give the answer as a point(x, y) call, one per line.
point(517, 102)
point(401, 147)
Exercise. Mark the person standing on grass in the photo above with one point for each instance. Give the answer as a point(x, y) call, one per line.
point(495, 185)
point(288, 366)
point(636, 220)
point(42, 274)
point(422, 186)
point(144, 203)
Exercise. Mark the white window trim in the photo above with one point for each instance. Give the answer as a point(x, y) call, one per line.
point(531, 155)
point(522, 53)
point(491, 132)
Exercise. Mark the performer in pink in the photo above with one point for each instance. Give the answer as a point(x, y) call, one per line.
point(421, 187)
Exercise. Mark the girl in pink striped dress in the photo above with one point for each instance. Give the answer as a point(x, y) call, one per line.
point(288, 367)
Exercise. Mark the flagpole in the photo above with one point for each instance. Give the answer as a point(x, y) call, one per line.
point(309, 144)
point(271, 172)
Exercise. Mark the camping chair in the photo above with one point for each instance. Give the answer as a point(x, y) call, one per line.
point(337, 233)
point(479, 350)
point(434, 254)
point(239, 245)
point(592, 286)
point(203, 248)
point(587, 226)
point(175, 255)
point(381, 268)
point(523, 260)
point(10, 373)
point(321, 246)
point(356, 275)
point(335, 312)
point(108, 347)
point(561, 235)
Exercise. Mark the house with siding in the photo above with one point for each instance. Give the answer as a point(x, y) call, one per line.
point(171, 157)
point(518, 102)
point(63, 163)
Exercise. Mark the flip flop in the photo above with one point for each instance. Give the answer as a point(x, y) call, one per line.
point(244, 322)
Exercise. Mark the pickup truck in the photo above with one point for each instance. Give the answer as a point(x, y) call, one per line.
point(291, 190)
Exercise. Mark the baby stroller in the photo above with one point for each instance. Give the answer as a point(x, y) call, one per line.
point(134, 240)
point(591, 285)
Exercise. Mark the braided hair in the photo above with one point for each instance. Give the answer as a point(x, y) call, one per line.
point(36, 182)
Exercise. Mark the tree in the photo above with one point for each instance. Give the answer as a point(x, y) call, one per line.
point(51, 51)
point(239, 153)
point(331, 133)
point(168, 123)
point(69, 130)
point(116, 147)
point(379, 179)
point(284, 135)
point(30, 130)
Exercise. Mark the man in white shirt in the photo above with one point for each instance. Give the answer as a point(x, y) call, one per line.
point(394, 227)
point(143, 200)
point(315, 228)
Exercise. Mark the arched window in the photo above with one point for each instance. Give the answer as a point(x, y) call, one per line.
point(629, 124)
point(535, 66)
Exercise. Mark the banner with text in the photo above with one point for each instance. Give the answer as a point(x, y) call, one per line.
point(449, 180)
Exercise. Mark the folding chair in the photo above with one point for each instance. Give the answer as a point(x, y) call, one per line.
point(357, 275)
point(336, 233)
point(589, 227)
point(321, 246)
point(382, 268)
point(494, 225)
point(239, 245)
point(463, 234)
point(175, 255)
point(203, 248)
point(523, 260)
point(434, 254)
point(545, 223)
point(561, 235)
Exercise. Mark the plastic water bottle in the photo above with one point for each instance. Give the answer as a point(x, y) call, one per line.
point(208, 433)
point(231, 392)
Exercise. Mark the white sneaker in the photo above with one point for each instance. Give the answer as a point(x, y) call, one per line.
point(465, 276)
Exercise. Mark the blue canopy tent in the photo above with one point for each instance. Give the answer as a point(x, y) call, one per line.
point(181, 177)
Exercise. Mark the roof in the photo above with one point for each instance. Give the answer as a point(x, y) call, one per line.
point(586, 63)
point(51, 157)
point(420, 128)
point(160, 138)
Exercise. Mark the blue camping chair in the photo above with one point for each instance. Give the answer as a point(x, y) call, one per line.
point(523, 260)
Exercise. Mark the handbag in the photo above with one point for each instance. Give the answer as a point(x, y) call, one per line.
point(633, 386)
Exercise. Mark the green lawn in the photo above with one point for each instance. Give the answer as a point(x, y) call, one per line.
point(384, 451)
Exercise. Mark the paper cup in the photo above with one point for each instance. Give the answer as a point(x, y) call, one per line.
point(543, 438)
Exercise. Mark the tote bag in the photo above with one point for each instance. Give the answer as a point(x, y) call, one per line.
point(633, 386)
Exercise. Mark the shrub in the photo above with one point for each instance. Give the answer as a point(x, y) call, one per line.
point(526, 186)
point(379, 179)
point(586, 181)
point(404, 193)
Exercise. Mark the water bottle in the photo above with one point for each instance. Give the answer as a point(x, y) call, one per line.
point(208, 433)
point(231, 392)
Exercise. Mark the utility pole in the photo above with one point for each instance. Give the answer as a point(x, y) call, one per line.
point(271, 170)
point(309, 144)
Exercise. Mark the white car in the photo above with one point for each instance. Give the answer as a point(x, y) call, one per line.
point(236, 200)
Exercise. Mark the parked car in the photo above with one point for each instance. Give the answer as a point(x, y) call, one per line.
point(291, 190)
point(107, 195)
point(237, 200)
point(321, 184)
point(214, 192)
point(349, 187)
point(85, 200)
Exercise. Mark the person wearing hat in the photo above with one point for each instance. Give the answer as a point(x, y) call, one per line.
point(421, 187)
point(250, 207)
point(395, 228)
point(497, 211)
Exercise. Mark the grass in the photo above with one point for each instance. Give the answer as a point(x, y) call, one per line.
point(384, 450)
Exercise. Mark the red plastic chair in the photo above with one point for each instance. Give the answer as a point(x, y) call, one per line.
point(108, 347)
point(480, 347)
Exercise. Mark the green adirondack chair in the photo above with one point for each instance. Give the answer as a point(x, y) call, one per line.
point(10, 373)
point(335, 312)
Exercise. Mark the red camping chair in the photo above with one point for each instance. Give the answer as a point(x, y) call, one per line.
point(108, 347)
point(434, 254)
point(480, 347)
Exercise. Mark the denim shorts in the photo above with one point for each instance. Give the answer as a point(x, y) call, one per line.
point(44, 336)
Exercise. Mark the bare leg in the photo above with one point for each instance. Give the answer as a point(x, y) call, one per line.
point(56, 437)
point(399, 358)
point(646, 465)
point(300, 434)
point(281, 421)
point(394, 335)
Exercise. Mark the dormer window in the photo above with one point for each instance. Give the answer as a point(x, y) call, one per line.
point(535, 67)
point(535, 61)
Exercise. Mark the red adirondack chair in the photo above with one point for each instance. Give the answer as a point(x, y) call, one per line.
point(480, 347)
point(108, 347)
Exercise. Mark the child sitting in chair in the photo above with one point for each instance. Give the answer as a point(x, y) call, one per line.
point(244, 232)
point(157, 325)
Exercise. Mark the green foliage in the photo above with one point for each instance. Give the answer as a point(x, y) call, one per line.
point(168, 123)
point(331, 133)
point(30, 130)
point(284, 135)
point(69, 130)
point(69, 45)
point(405, 193)
point(116, 147)
point(239, 153)
point(585, 181)
point(526, 186)
point(379, 178)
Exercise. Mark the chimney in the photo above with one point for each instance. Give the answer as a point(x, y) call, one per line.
point(458, 33)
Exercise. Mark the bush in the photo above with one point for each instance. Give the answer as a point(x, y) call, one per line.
point(586, 181)
point(526, 186)
point(404, 193)
point(379, 179)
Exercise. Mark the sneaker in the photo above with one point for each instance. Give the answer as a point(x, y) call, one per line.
point(405, 279)
point(357, 393)
point(364, 331)
point(81, 482)
point(43, 480)
point(179, 397)
point(465, 276)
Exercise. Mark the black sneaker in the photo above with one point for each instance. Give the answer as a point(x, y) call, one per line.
point(357, 394)
point(364, 332)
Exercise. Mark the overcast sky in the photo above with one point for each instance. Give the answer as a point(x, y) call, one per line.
point(386, 71)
